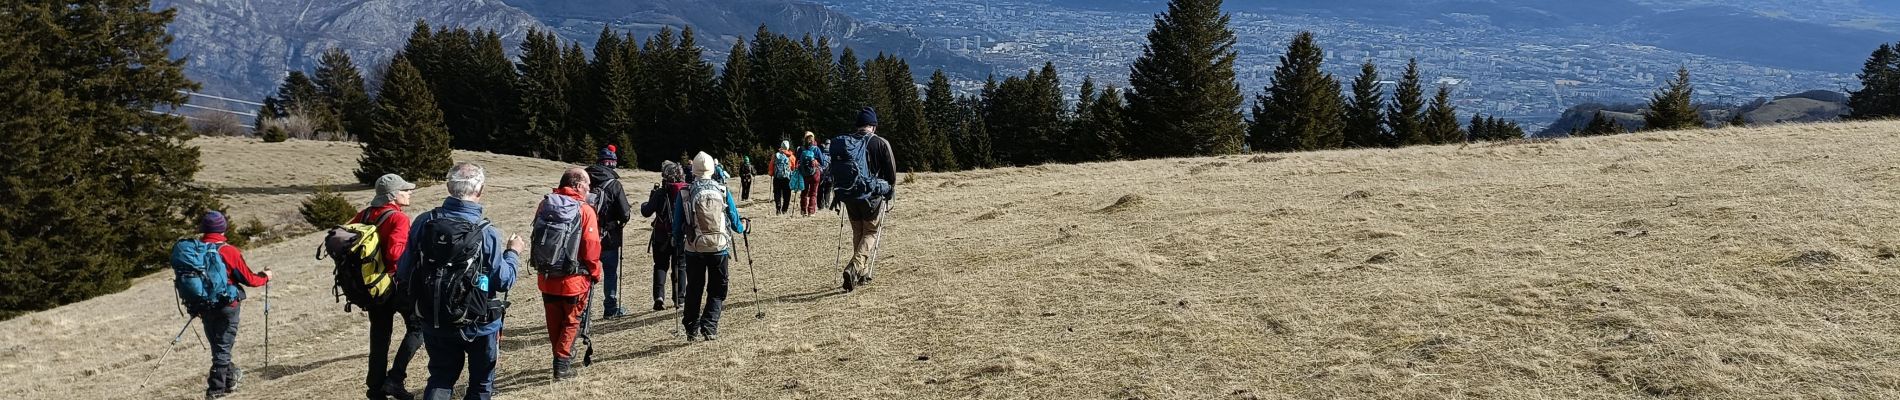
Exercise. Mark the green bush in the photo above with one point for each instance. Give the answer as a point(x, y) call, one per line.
point(326, 208)
point(248, 234)
point(275, 134)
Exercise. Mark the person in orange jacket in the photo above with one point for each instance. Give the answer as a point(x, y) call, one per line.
point(566, 256)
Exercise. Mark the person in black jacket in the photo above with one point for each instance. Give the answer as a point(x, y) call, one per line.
point(663, 205)
point(745, 179)
point(866, 216)
point(610, 201)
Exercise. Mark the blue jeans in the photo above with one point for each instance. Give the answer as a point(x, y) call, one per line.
point(610, 268)
point(447, 354)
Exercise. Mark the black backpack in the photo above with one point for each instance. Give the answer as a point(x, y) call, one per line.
point(450, 284)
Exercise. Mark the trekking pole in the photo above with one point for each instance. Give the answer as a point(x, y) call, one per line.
point(160, 362)
point(878, 239)
point(266, 324)
point(181, 331)
point(753, 269)
point(837, 256)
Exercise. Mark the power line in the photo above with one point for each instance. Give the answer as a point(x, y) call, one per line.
point(222, 98)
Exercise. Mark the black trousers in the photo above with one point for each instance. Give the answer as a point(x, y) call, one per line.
point(705, 277)
point(381, 327)
point(665, 266)
point(221, 328)
point(782, 194)
point(745, 189)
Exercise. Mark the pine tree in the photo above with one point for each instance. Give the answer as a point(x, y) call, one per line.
point(577, 144)
point(849, 92)
point(1670, 108)
point(1110, 128)
point(1406, 116)
point(493, 118)
point(407, 136)
point(1600, 125)
point(1024, 114)
point(341, 86)
point(732, 132)
point(544, 87)
point(612, 105)
point(1183, 99)
point(973, 146)
point(84, 166)
point(1301, 109)
point(1365, 117)
point(944, 119)
point(1441, 120)
point(1879, 94)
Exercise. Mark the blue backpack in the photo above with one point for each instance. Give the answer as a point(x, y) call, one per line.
point(202, 279)
point(851, 172)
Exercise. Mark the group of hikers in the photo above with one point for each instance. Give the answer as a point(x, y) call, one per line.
point(447, 272)
point(801, 174)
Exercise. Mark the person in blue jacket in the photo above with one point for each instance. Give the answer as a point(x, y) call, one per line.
point(477, 345)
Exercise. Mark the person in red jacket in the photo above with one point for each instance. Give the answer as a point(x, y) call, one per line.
point(385, 380)
point(221, 322)
point(565, 296)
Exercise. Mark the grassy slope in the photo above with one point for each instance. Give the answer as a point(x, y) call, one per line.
point(1654, 264)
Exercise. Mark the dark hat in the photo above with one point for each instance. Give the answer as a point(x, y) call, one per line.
point(867, 117)
point(609, 153)
point(212, 222)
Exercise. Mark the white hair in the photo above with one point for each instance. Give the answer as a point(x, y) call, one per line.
point(465, 180)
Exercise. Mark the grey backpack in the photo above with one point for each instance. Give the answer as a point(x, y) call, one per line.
point(554, 245)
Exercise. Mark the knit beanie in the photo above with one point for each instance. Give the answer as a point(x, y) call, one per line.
point(867, 117)
point(212, 222)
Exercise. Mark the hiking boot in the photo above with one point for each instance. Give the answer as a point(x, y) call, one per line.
point(615, 313)
point(396, 391)
point(692, 333)
point(659, 305)
point(210, 396)
point(563, 369)
point(850, 279)
point(711, 333)
point(237, 374)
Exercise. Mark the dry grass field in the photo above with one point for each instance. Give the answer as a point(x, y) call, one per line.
point(1720, 264)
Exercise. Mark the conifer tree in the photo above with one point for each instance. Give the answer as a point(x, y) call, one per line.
point(1365, 117)
point(1671, 109)
point(493, 119)
point(1107, 128)
point(732, 131)
point(849, 93)
point(1879, 93)
point(1183, 99)
point(945, 119)
point(406, 136)
point(1600, 125)
point(342, 89)
point(544, 87)
point(612, 104)
point(1301, 109)
point(1441, 120)
point(973, 146)
point(85, 166)
point(577, 144)
point(1406, 116)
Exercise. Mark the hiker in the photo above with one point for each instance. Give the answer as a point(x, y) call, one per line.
point(662, 205)
point(864, 168)
point(824, 182)
point(711, 220)
point(210, 276)
point(566, 256)
point(782, 164)
point(609, 200)
point(460, 258)
point(811, 166)
point(745, 178)
point(392, 227)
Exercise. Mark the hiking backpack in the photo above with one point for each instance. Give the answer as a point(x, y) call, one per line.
point(706, 217)
point(781, 165)
point(201, 278)
point(851, 172)
point(808, 160)
point(451, 287)
point(555, 243)
point(597, 195)
point(362, 277)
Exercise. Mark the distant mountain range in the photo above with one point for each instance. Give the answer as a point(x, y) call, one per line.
point(243, 48)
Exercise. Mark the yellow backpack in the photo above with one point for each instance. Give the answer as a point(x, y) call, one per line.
point(362, 277)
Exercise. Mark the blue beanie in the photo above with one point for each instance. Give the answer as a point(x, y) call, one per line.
point(608, 153)
point(212, 222)
point(867, 117)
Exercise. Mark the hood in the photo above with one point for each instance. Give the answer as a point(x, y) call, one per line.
point(558, 208)
point(600, 173)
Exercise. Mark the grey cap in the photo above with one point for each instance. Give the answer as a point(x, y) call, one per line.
point(392, 183)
